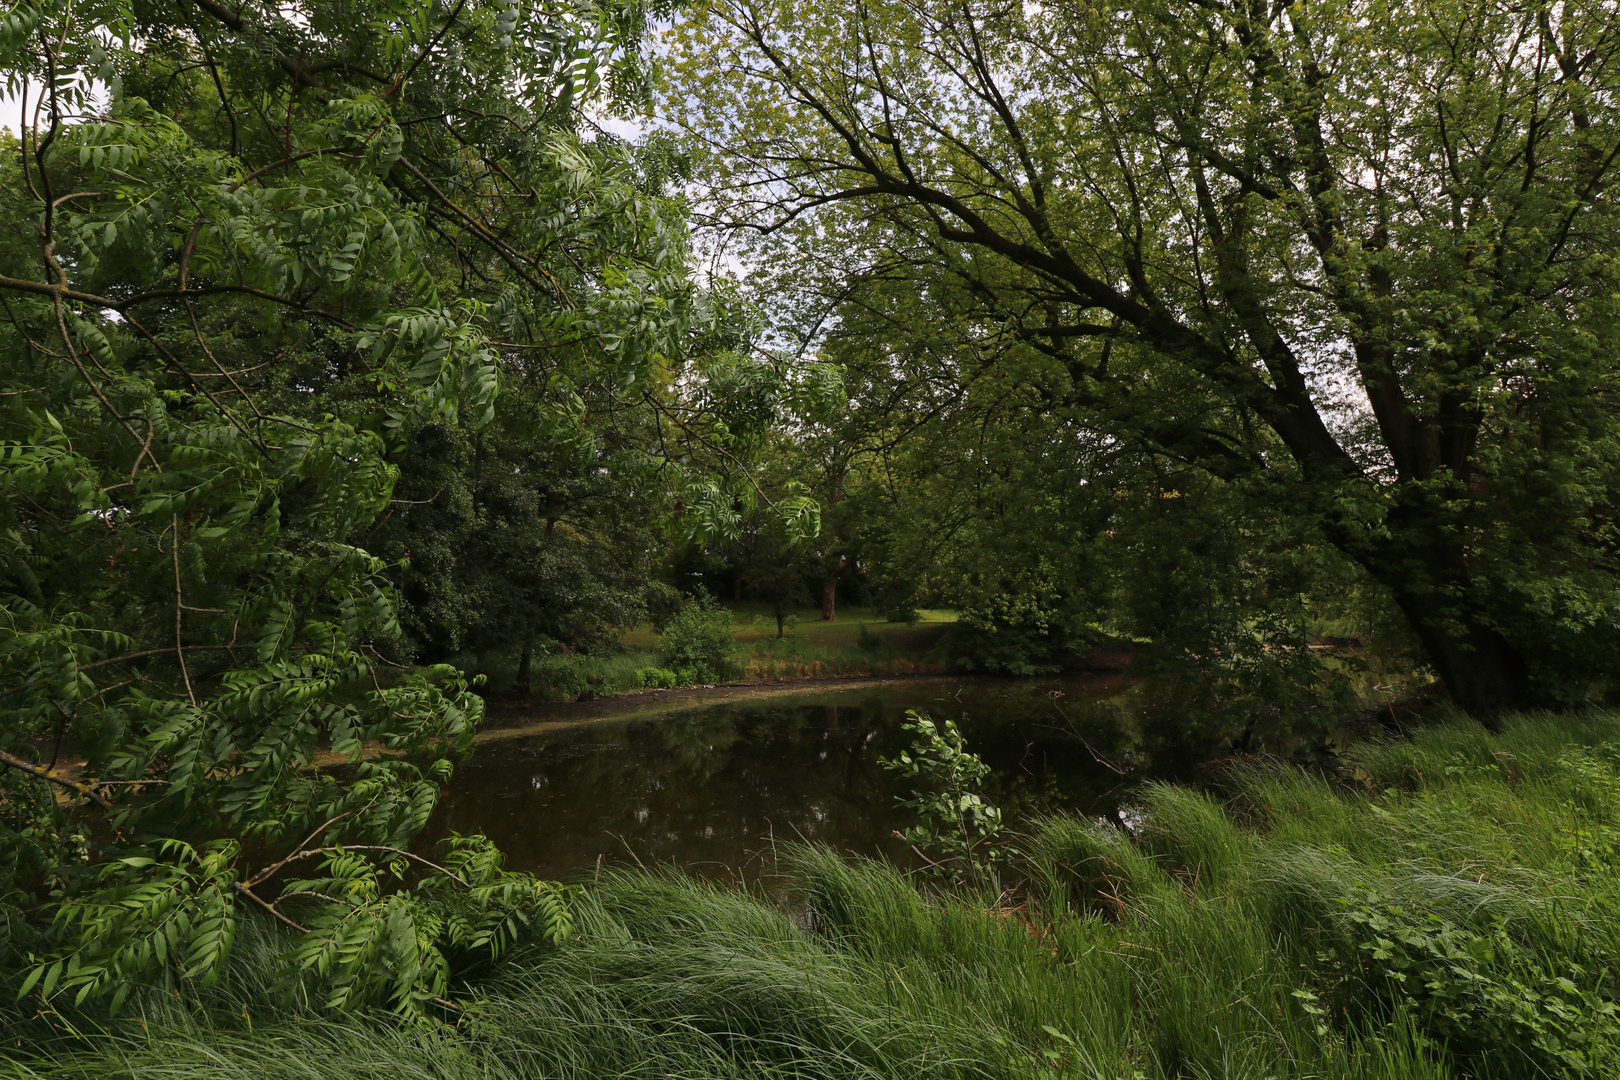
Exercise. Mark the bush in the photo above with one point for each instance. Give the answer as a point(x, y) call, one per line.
point(901, 610)
point(656, 678)
point(698, 642)
point(559, 678)
point(1005, 649)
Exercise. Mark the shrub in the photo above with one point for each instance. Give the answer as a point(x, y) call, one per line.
point(1006, 649)
point(698, 642)
point(656, 678)
point(902, 611)
point(1478, 989)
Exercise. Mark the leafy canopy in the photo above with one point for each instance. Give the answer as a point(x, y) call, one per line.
point(1358, 257)
point(253, 252)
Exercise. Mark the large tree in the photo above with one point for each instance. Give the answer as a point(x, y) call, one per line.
point(1356, 259)
point(254, 255)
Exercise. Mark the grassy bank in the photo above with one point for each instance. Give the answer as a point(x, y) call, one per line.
point(860, 642)
point(1447, 906)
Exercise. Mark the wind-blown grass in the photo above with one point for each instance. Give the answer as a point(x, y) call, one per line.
point(1447, 907)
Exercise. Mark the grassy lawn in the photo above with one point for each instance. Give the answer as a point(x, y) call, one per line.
point(860, 642)
point(754, 622)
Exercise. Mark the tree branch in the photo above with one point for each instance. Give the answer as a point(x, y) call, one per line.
point(61, 781)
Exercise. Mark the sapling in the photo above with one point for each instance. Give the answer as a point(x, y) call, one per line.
point(957, 831)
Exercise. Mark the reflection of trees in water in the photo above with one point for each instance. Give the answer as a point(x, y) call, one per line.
point(700, 743)
point(698, 786)
point(707, 785)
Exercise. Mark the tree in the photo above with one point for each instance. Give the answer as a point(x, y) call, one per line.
point(524, 533)
point(832, 461)
point(1355, 259)
point(254, 255)
point(774, 568)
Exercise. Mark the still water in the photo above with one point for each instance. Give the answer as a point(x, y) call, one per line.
point(709, 785)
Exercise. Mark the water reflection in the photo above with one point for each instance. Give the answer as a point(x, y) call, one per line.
point(711, 787)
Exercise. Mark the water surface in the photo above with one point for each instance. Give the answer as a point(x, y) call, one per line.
point(710, 786)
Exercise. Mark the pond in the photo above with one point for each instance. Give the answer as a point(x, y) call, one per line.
point(709, 783)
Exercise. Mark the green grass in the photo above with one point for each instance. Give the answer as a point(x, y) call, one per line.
point(1449, 906)
point(890, 650)
point(753, 622)
point(861, 642)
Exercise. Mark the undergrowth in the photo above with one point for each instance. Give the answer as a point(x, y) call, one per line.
point(1449, 906)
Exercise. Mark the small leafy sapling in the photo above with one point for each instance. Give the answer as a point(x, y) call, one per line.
point(957, 831)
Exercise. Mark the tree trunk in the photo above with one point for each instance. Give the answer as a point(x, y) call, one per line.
point(781, 620)
point(829, 590)
point(1485, 672)
point(525, 664)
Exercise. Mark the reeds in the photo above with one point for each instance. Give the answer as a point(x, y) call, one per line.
point(1448, 907)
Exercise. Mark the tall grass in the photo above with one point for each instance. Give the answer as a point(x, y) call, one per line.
point(1448, 907)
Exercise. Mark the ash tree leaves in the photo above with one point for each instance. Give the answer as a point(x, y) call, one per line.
point(483, 910)
point(178, 912)
point(252, 252)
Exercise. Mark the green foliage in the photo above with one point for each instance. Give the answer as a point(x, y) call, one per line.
point(518, 533)
point(1434, 919)
point(245, 300)
point(1001, 648)
point(1477, 990)
point(1165, 235)
point(958, 830)
point(396, 947)
point(698, 642)
point(655, 678)
point(725, 418)
point(1438, 918)
point(902, 611)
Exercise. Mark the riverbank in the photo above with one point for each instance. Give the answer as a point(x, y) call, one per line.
point(861, 643)
point(1443, 907)
point(516, 720)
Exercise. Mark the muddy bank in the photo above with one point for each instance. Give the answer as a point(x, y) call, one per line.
point(511, 721)
point(505, 720)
